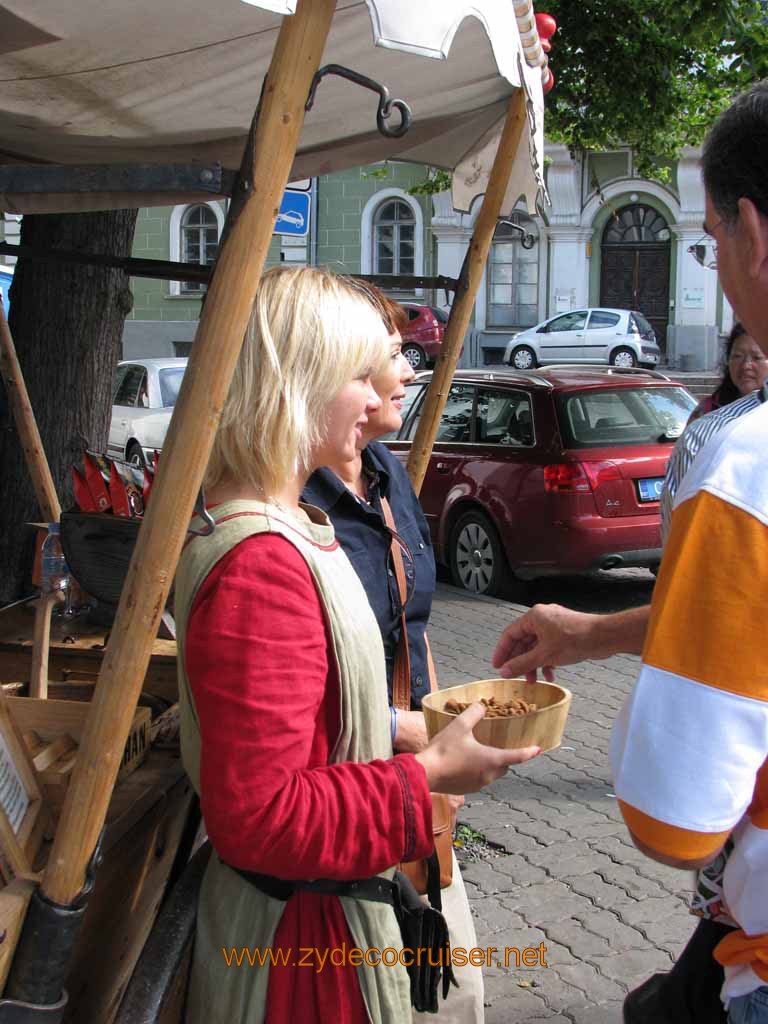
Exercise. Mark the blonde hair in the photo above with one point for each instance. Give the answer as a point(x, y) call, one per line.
point(310, 333)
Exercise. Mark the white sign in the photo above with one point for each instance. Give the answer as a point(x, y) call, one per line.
point(562, 303)
point(693, 298)
point(14, 798)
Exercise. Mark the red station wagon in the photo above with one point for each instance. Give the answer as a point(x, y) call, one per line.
point(423, 335)
point(547, 472)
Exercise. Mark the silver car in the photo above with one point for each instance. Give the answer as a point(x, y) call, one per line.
point(619, 337)
point(145, 392)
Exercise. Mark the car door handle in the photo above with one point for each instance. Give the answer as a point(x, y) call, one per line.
point(442, 467)
point(579, 335)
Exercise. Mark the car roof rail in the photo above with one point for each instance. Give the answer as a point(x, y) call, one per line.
point(605, 368)
point(638, 369)
point(503, 372)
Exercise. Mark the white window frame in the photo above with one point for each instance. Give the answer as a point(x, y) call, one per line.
point(367, 233)
point(177, 217)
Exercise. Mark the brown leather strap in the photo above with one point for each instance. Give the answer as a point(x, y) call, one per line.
point(401, 673)
point(430, 666)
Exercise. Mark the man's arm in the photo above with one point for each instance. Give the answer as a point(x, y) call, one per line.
point(549, 635)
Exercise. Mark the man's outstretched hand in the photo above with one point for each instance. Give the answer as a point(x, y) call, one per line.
point(549, 635)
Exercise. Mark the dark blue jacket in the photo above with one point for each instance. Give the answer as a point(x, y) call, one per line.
point(362, 532)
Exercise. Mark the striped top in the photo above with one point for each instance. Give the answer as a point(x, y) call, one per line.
point(692, 440)
point(690, 747)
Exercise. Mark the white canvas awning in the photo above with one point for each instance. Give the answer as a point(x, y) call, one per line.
point(177, 81)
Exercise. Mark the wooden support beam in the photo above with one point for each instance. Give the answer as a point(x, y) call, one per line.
point(469, 283)
point(32, 445)
point(225, 316)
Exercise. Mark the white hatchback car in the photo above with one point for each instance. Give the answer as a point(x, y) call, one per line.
point(619, 337)
point(143, 397)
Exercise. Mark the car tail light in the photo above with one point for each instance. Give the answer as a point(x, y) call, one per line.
point(601, 473)
point(565, 477)
point(569, 477)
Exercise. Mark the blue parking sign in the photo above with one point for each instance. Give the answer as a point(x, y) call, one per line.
point(293, 218)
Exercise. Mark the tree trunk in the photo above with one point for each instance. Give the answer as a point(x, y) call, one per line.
point(67, 326)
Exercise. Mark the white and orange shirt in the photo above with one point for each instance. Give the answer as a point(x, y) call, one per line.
point(690, 747)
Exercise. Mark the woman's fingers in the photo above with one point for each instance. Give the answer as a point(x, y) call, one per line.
point(455, 762)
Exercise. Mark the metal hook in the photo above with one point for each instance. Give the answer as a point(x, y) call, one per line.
point(202, 513)
point(385, 103)
point(527, 240)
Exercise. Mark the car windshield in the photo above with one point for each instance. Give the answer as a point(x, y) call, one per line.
point(170, 382)
point(623, 416)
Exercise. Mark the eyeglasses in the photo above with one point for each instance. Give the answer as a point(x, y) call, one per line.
point(745, 357)
point(705, 250)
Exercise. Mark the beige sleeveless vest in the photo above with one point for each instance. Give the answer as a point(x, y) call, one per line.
point(231, 912)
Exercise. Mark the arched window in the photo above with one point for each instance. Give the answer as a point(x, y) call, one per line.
point(634, 224)
point(513, 274)
point(199, 240)
point(394, 228)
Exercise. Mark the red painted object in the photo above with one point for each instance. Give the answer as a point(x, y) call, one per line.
point(423, 335)
point(546, 27)
point(96, 484)
point(547, 472)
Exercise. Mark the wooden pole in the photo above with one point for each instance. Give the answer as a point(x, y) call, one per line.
point(41, 644)
point(32, 446)
point(226, 311)
point(469, 283)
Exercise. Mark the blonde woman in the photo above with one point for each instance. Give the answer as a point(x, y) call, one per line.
point(285, 726)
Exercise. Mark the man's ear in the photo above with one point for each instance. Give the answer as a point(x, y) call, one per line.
point(754, 236)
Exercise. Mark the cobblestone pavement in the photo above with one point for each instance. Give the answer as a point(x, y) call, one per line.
point(562, 870)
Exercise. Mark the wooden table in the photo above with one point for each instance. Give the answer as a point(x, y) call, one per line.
point(75, 655)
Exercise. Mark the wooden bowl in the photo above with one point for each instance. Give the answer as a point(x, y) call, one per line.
point(542, 728)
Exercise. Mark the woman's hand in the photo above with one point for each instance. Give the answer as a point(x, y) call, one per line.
point(456, 763)
point(411, 735)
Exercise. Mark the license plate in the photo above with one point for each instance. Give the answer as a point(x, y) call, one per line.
point(650, 488)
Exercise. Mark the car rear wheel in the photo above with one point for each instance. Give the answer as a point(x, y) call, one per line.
point(624, 358)
point(523, 358)
point(476, 555)
point(135, 456)
point(415, 356)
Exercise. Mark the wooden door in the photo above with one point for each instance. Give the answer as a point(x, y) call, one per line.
point(635, 265)
point(637, 277)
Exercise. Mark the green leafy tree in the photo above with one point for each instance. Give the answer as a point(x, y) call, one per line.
point(650, 74)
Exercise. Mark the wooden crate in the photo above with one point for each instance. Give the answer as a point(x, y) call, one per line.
point(53, 729)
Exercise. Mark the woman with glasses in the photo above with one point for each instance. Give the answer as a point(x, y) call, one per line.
point(745, 369)
point(358, 496)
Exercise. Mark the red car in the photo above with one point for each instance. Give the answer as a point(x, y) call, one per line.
point(423, 336)
point(547, 472)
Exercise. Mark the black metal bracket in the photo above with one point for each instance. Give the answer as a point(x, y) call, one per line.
point(385, 103)
point(42, 959)
point(527, 240)
point(164, 270)
point(56, 179)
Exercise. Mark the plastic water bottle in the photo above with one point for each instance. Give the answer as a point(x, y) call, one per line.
point(54, 571)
